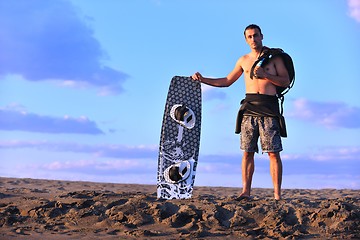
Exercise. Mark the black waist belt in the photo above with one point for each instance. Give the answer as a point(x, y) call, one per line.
point(260, 105)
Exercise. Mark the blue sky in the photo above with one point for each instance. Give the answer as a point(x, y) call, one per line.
point(83, 87)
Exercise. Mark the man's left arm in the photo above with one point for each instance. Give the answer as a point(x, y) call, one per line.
point(281, 78)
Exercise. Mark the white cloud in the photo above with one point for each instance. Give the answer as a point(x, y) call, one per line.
point(354, 9)
point(101, 150)
point(59, 46)
point(104, 160)
point(20, 120)
point(328, 114)
point(119, 163)
point(337, 154)
point(98, 166)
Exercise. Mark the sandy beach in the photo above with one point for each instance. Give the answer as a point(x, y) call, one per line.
point(51, 209)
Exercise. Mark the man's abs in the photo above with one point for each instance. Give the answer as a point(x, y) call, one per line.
point(260, 86)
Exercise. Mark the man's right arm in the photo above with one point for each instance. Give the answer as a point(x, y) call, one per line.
point(224, 81)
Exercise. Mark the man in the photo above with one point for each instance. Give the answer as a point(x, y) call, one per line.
point(261, 91)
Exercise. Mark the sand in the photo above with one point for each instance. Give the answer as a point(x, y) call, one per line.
point(51, 209)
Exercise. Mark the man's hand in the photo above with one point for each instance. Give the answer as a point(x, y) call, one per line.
point(259, 72)
point(197, 77)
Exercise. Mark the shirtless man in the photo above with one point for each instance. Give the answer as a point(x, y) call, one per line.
point(273, 74)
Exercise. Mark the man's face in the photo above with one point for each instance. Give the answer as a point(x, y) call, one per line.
point(254, 38)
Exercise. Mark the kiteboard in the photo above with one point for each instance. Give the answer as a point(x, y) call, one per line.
point(179, 140)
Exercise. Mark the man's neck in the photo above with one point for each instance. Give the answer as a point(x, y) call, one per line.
point(257, 51)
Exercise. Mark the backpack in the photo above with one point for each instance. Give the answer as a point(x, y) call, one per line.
point(264, 58)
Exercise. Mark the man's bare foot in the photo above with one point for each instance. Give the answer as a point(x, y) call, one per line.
point(277, 197)
point(243, 196)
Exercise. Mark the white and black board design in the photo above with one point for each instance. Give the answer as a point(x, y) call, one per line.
point(180, 139)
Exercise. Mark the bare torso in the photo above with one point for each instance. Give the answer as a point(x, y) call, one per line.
point(257, 85)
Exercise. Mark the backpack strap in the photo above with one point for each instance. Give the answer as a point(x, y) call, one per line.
point(281, 98)
point(264, 55)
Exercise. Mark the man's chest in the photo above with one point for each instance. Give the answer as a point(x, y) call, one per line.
point(247, 67)
point(269, 67)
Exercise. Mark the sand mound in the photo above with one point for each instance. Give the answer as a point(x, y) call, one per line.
point(30, 209)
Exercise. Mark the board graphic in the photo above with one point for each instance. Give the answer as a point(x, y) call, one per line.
point(180, 139)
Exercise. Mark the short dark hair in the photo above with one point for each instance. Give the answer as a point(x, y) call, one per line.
point(252, 26)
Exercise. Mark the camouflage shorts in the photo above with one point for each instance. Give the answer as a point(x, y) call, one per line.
point(267, 128)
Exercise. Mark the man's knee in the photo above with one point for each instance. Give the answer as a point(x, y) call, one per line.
point(274, 156)
point(249, 156)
